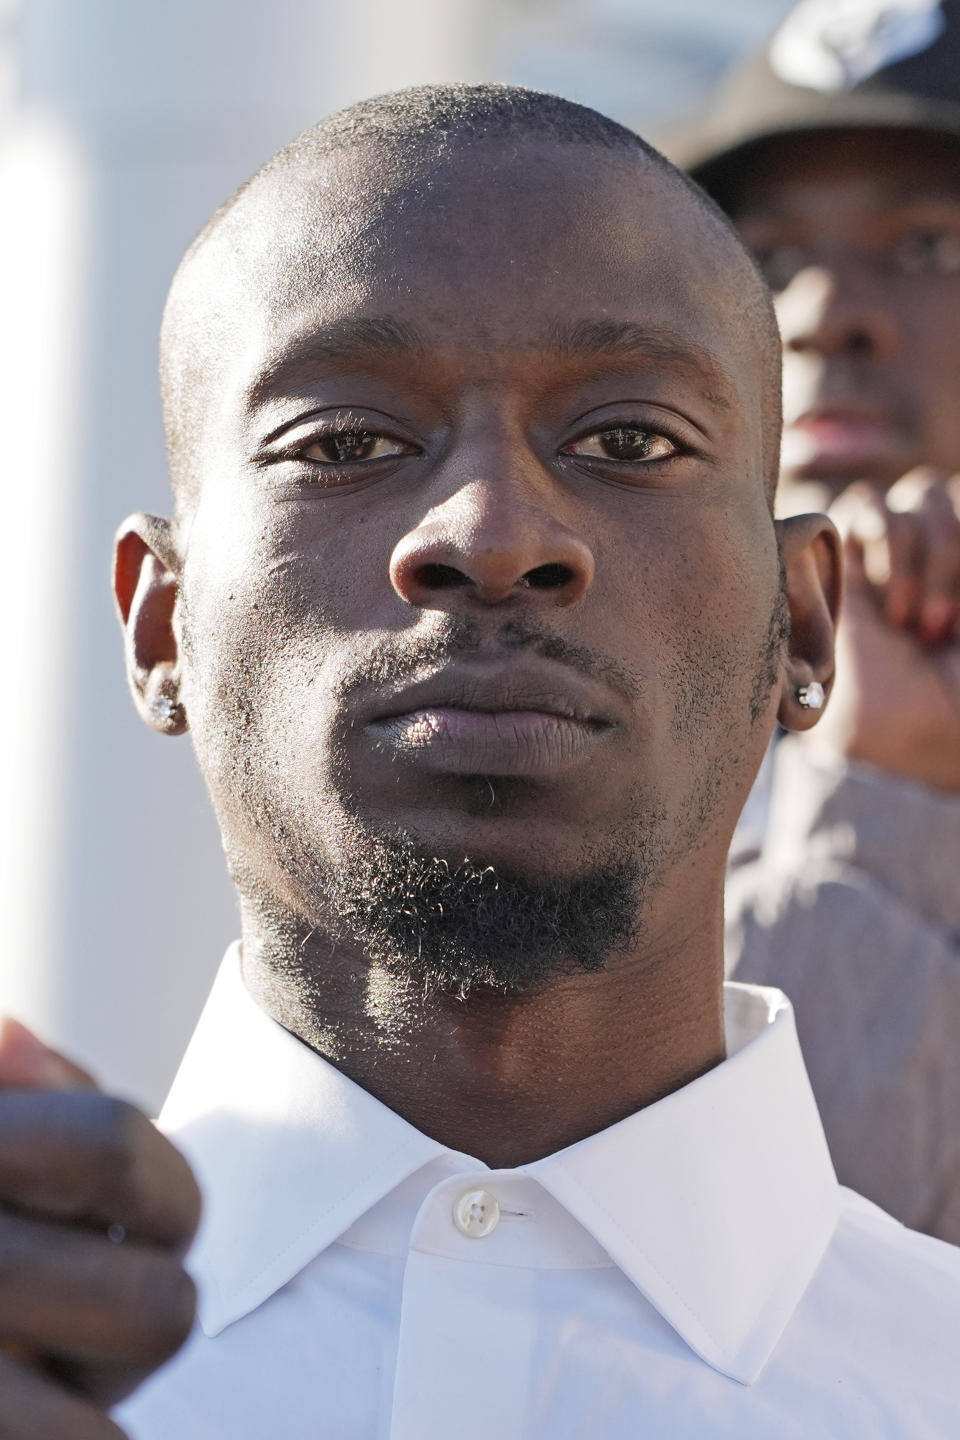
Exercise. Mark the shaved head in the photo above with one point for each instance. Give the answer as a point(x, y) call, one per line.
point(320, 214)
point(474, 604)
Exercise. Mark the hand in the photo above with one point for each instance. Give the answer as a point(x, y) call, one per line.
point(896, 700)
point(85, 1315)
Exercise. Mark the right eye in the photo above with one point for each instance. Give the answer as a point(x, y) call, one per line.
point(352, 447)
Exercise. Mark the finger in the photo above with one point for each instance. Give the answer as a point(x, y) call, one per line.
point(909, 491)
point(859, 496)
point(941, 580)
point(34, 1407)
point(853, 572)
point(89, 1157)
point(860, 601)
point(900, 557)
point(927, 499)
point(26, 1062)
point(890, 551)
point(953, 490)
point(75, 1297)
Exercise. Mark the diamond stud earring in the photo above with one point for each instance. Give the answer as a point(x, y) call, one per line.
point(811, 696)
point(166, 711)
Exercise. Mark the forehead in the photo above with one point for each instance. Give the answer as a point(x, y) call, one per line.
point(865, 171)
point(486, 251)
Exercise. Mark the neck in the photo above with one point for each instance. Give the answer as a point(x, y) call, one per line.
point(504, 1078)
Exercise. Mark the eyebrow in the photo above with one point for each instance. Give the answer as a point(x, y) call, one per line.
point(369, 338)
point(346, 340)
point(626, 339)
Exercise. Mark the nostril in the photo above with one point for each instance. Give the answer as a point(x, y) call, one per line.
point(548, 577)
point(859, 343)
point(441, 577)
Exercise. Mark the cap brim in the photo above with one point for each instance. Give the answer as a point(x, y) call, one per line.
point(706, 150)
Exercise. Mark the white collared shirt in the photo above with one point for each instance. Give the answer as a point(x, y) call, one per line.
point(693, 1271)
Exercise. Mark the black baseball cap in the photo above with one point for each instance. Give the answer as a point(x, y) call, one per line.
point(832, 65)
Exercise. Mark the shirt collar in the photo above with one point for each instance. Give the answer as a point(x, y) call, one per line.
point(717, 1202)
point(287, 1150)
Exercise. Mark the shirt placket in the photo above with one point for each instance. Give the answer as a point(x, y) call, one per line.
point(465, 1350)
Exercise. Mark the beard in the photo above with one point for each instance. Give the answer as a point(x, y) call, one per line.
point(455, 926)
point(455, 923)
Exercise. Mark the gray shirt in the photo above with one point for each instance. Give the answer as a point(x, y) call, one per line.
point(844, 890)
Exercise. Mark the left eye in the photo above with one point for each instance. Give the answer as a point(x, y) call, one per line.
point(350, 446)
point(929, 252)
point(622, 443)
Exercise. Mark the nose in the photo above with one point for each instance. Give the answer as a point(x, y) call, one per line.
point(836, 311)
point(486, 546)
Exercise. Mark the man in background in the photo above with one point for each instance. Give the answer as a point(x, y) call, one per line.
point(837, 154)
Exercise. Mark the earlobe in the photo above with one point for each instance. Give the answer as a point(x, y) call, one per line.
point(145, 583)
point(813, 565)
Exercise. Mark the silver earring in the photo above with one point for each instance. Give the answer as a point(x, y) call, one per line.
point(811, 696)
point(166, 711)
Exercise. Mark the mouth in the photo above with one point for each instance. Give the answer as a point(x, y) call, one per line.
point(531, 719)
point(839, 441)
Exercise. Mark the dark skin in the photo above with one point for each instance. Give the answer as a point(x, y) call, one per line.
point(858, 234)
point(485, 467)
point(483, 488)
point(83, 1319)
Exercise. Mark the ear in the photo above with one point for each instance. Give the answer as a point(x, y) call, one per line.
point(145, 582)
point(813, 561)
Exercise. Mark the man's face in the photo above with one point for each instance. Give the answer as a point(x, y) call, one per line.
point(859, 237)
point(481, 568)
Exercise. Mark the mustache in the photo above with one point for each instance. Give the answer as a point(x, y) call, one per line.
point(458, 637)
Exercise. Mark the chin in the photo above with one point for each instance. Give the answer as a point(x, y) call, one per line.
point(524, 852)
point(467, 920)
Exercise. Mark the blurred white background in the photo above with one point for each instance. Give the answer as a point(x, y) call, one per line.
point(122, 126)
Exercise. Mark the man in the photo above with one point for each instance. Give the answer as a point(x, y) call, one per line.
point(477, 614)
point(837, 154)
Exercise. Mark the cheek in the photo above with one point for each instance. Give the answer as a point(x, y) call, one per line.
point(701, 585)
point(705, 568)
point(260, 718)
point(274, 594)
point(703, 598)
point(930, 330)
point(265, 571)
point(325, 565)
point(928, 370)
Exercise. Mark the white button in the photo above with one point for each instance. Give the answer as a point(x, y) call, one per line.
point(476, 1213)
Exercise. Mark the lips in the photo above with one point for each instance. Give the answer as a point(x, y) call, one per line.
point(841, 440)
point(533, 719)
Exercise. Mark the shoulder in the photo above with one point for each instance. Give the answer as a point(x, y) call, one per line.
point(893, 1295)
point(873, 1344)
point(919, 1263)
